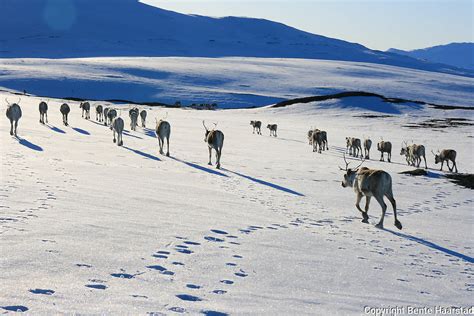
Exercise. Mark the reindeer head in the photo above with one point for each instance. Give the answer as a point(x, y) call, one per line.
point(404, 150)
point(350, 174)
point(437, 157)
point(252, 123)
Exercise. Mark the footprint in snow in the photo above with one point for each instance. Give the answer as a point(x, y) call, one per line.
point(96, 286)
point(42, 291)
point(177, 309)
point(122, 275)
point(193, 286)
point(228, 282)
point(220, 232)
point(213, 239)
point(192, 243)
point(15, 308)
point(189, 298)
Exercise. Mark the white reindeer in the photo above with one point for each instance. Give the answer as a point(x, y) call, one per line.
point(215, 140)
point(13, 114)
point(370, 183)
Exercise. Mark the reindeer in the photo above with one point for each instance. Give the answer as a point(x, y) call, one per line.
point(13, 114)
point(133, 113)
point(413, 154)
point(65, 109)
point(273, 129)
point(86, 107)
point(163, 130)
point(117, 126)
point(99, 110)
point(354, 146)
point(385, 147)
point(106, 114)
point(215, 140)
point(323, 137)
point(111, 114)
point(370, 183)
point(317, 140)
point(367, 145)
point(143, 117)
point(446, 155)
point(310, 136)
point(43, 109)
point(257, 125)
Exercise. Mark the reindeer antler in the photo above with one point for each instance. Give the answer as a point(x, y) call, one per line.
point(360, 164)
point(19, 100)
point(215, 124)
point(204, 124)
point(6, 99)
point(345, 161)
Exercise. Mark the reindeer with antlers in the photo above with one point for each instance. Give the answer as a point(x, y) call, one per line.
point(215, 140)
point(413, 154)
point(13, 114)
point(370, 183)
point(446, 155)
point(163, 130)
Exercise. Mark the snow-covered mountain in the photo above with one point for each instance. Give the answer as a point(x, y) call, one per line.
point(460, 55)
point(92, 28)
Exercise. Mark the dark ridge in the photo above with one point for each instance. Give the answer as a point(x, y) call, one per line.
point(441, 123)
point(416, 172)
point(340, 95)
point(463, 179)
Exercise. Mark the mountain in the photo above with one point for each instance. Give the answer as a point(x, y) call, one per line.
point(104, 28)
point(460, 55)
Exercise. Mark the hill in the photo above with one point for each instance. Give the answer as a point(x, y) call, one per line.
point(459, 55)
point(105, 28)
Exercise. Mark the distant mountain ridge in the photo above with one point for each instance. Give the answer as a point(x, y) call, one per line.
point(460, 55)
point(107, 28)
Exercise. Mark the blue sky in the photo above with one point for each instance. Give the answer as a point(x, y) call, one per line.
point(377, 24)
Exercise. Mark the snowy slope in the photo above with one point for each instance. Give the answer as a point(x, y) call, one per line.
point(229, 82)
point(88, 227)
point(460, 55)
point(91, 28)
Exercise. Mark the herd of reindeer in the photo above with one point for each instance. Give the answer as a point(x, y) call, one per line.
point(365, 182)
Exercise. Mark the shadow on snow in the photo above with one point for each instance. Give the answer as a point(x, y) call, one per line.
point(143, 154)
point(201, 168)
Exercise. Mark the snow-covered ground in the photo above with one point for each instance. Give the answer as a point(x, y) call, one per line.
point(229, 82)
point(92, 228)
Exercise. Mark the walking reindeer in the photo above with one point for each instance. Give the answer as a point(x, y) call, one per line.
point(163, 131)
point(273, 129)
point(257, 125)
point(86, 109)
point(99, 111)
point(13, 114)
point(215, 140)
point(143, 117)
point(133, 113)
point(43, 109)
point(370, 183)
point(117, 126)
point(446, 155)
point(65, 109)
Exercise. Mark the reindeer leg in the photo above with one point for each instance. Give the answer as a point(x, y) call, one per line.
point(364, 214)
point(11, 127)
point(384, 209)
point(358, 198)
point(114, 137)
point(167, 146)
point(426, 166)
point(16, 126)
point(394, 205)
point(210, 152)
point(219, 158)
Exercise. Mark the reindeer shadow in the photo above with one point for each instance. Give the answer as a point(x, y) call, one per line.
point(81, 131)
point(143, 154)
point(432, 245)
point(149, 132)
point(126, 133)
point(28, 144)
point(266, 183)
point(201, 168)
point(55, 129)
